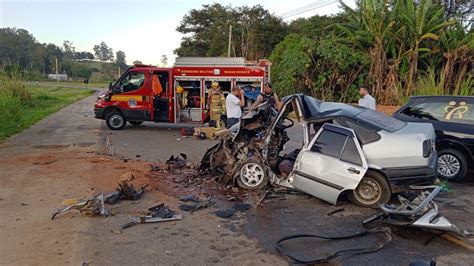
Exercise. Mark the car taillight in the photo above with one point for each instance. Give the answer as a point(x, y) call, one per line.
point(427, 147)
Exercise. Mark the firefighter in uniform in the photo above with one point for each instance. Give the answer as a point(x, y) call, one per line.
point(216, 105)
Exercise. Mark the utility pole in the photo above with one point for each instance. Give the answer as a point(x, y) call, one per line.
point(230, 40)
point(119, 71)
point(57, 70)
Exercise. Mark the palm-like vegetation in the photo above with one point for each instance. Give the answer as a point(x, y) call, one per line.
point(408, 44)
point(422, 22)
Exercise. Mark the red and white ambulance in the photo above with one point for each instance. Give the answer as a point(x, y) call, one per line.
point(178, 94)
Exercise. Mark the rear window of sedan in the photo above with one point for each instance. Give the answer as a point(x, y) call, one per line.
point(380, 120)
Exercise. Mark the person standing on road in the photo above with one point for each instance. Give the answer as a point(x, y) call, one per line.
point(269, 96)
point(366, 99)
point(234, 103)
point(216, 105)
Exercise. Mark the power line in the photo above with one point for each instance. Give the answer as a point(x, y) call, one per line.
point(299, 9)
point(305, 9)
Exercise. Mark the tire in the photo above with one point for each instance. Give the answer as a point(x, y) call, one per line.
point(252, 175)
point(372, 190)
point(135, 123)
point(452, 165)
point(115, 120)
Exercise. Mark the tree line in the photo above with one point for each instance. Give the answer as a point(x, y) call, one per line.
point(20, 51)
point(398, 47)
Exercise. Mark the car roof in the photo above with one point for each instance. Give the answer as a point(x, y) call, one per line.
point(441, 97)
point(314, 108)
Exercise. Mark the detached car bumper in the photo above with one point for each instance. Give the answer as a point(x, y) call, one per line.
point(99, 113)
point(424, 175)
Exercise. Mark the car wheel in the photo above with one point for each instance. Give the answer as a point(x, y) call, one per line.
point(135, 123)
point(252, 175)
point(115, 120)
point(452, 165)
point(372, 190)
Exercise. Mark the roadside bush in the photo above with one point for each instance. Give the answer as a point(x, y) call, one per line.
point(466, 87)
point(14, 89)
point(13, 95)
point(428, 85)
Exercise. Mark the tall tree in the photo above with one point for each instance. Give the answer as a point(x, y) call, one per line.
point(69, 50)
point(423, 22)
point(121, 62)
point(84, 55)
point(103, 52)
point(16, 47)
point(371, 26)
point(164, 61)
point(255, 32)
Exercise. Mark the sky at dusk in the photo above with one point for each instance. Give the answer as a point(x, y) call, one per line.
point(144, 30)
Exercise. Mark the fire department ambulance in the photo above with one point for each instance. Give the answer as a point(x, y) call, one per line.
point(178, 94)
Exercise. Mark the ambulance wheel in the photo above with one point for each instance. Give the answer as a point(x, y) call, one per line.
point(115, 120)
point(135, 123)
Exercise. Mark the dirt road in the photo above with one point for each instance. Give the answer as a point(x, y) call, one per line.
point(56, 159)
point(68, 155)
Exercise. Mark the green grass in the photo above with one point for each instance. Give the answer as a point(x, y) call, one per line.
point(19, 109)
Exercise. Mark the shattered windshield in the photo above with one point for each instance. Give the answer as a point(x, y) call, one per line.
point(381, 120)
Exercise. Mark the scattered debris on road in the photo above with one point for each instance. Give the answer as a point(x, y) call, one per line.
point(95, 204)
point(238, 207)
point(177, 162)
point(225, 213)
point(125, 191)
point(188, 198)
point(204, 132)
point(334, 211)
point(158, 213)
point(91, 206)
point(421, 212)
point(197, 204)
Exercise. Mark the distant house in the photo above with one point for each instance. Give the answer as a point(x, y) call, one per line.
point(57, 76)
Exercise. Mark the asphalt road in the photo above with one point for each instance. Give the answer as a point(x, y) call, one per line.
point(304, 214)
point(200, 238)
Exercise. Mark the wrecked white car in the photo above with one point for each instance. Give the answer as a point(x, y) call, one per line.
point(343, 149)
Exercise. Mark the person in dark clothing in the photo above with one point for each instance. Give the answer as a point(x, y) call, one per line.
point(286, 165)
point(268, 95)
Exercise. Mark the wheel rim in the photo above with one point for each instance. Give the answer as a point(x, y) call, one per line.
point(448, 165)
point(368, 191)
point(252, 174)
point(116, 121)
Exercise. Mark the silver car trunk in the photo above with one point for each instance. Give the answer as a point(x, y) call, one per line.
point(408, 154)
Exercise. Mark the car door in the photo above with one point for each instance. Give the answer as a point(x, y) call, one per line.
point(331, 163)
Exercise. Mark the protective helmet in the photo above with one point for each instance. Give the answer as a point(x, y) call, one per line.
point(179, 89)
point(215, 85)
